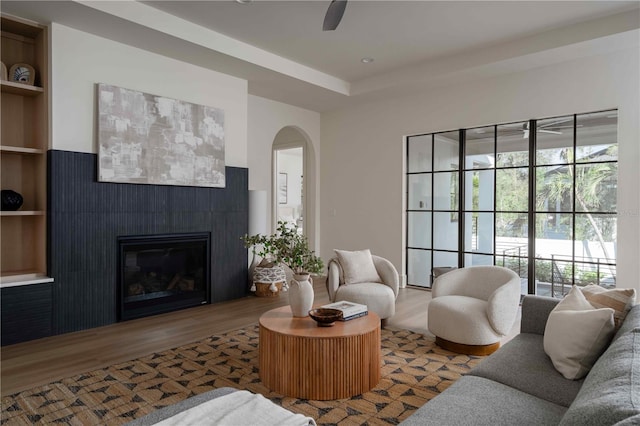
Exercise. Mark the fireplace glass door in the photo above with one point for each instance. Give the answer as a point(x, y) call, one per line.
point(162, 273)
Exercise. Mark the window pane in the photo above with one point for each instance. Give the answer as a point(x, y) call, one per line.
point(445, 259)
point(519, 265)
point(596, 237)
point(477, 259)
point(597, 136)
point(553, 235)
point(419, 267)
point(478, 233)
point(479, 150)
point(512, 189)
point(596, 187)
point(513, 145)
point(419, 229)
point(561, 275)
point(446, 151)
point(554, 188)
point(479, 187)
point(445, 232)
point(543, 277)
point(420, 192)
point(511, 225)
point(419, 148)
point(599, 273)
point(554, 140)
point(445, 191)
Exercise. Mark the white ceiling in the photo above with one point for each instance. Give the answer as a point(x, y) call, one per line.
point(396, 33)
point(280, 48)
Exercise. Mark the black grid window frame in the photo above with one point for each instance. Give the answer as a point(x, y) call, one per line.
point(531, 213)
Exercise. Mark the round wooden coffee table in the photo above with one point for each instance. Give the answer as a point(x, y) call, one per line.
point(299, 359)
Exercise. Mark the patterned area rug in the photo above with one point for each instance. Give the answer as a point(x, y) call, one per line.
point(414, 370)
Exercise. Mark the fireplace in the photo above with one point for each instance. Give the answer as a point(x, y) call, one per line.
point(162, 273)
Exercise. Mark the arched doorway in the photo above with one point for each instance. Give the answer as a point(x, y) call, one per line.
point(290, 179)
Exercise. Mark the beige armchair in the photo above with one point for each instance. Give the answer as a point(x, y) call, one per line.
point(380, 297)
point(473, 308)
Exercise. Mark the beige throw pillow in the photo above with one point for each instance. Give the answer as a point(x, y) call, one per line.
point(357, 266)
point(619, 299)
point(576, 334)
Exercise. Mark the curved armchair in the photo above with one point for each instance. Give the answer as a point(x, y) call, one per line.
point(380, 297)
point(473, 308)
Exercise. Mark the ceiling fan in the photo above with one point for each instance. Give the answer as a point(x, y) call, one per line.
point(552, 127)
point(334, 15)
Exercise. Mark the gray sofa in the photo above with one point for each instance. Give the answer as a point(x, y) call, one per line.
point(518, 384)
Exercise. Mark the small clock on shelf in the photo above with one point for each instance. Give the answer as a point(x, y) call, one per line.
point(22, 73)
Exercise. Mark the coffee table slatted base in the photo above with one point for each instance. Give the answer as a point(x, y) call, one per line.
point(319, 368)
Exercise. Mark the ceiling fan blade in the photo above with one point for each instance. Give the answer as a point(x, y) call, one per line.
point(555, 123)
point(334, 15)
point(549, 131)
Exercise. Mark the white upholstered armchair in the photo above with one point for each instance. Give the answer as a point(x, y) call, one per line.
point(363, 278)
point(473, 308)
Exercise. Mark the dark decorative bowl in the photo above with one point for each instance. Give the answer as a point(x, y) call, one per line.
point(325, 317)
point(11, 200)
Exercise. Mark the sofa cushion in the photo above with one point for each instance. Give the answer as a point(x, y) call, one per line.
point(478, 401)
point(357, 266)
point(522, 364)
point(619, 299)
point(611, 391)
point(576, 334)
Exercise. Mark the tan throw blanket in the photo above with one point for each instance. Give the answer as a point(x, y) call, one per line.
point(235, 409)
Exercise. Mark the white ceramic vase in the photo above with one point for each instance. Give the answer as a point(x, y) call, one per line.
point(301, 295)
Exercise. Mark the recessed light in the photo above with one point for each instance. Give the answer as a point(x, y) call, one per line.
point(366, 60)
point(244, 1)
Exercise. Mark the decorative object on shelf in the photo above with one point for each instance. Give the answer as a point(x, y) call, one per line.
point(269, 280)
point(152, 139)
point(289, 248)
point(4, 74)
point(22, 73)
point(11, 200)
point(325, 317)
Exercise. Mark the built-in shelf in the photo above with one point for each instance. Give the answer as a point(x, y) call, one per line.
point(21, 150)
point(20, 278)
point(23, 213)
point(20, 88)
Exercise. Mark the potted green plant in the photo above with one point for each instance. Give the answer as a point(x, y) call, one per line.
point(288, 247)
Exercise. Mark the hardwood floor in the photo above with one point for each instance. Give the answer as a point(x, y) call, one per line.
point(38, 362)
point(25, 365)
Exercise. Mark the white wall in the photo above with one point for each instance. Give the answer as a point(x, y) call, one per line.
point(80, 60)
point(266, 119)
point(363, 152)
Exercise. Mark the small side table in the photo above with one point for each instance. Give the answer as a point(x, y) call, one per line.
point(301, 360)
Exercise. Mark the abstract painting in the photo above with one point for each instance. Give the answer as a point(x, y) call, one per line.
point(151, 139)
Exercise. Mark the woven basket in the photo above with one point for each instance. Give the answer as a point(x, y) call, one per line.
point(264, 277)
point(262, 289)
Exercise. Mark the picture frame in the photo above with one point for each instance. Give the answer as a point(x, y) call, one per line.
point(282, 188)
point(22, 73)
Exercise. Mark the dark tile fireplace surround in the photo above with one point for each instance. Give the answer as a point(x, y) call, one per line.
point(85, 220)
